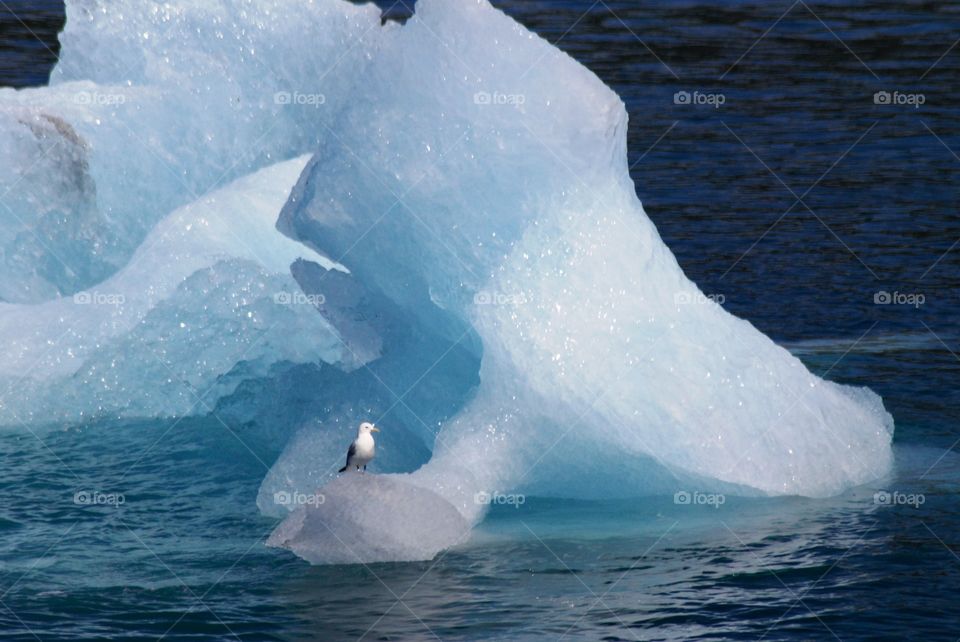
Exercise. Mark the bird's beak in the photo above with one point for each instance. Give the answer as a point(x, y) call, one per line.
point(374, 429)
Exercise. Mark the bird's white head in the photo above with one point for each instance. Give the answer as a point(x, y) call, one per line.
point(367, 428)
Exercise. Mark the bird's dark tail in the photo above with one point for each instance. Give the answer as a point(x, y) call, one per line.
point(342, 469)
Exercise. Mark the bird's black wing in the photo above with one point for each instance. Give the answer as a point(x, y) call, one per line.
point(350, 453)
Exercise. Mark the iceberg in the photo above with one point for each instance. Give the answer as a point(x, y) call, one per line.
point(297, 218)
point(492, 184)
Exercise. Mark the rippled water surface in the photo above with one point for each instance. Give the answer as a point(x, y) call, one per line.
point(799, 201)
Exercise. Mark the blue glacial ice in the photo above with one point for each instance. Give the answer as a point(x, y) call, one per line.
point(209, 288)
point(492, 185)
point(150, 107)
point(478, 275)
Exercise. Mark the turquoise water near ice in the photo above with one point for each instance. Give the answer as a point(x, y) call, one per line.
point(182, 557)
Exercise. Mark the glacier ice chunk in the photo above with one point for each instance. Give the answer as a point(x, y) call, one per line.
point(519, 216)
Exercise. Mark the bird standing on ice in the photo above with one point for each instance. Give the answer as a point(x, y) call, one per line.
point(361, 450)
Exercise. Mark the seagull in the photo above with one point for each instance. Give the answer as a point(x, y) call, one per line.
point(361, 450)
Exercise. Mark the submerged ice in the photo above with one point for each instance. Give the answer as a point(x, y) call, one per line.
point(477, 274)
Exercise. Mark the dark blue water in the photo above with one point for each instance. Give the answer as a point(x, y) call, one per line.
point(28, 41)
point(800, 200)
